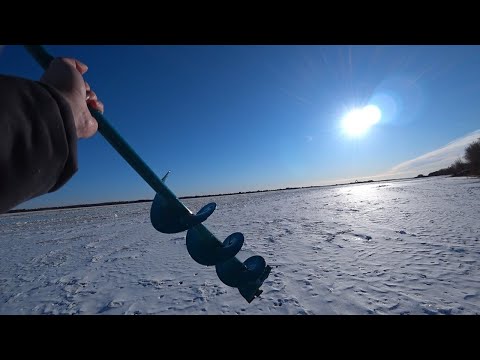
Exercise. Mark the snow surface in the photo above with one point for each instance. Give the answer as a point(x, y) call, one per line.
point(398, 247)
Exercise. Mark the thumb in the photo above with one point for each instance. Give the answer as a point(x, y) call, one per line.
point(77, 64)
point(81, 67)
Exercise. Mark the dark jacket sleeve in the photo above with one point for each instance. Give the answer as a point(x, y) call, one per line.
point(38, 141)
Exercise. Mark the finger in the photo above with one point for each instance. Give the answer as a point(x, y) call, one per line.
point(68, 61)
point(77, 64)
point(87, 87)
point(91, 127)
point(97, 105)
point(81, 66)
point(91, 95)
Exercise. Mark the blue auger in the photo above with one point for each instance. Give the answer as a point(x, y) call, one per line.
point(169, 215)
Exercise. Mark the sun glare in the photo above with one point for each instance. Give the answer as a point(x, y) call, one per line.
point(358, 121)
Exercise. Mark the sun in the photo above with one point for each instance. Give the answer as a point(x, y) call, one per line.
point(358, 121)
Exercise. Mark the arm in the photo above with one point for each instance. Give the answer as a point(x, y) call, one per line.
point(40, 123)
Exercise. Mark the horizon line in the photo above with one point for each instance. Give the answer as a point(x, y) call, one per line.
point(121, 202)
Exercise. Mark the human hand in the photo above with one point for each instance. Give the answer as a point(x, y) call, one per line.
point(65, 75)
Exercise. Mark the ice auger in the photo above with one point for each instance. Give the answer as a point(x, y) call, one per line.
point(169, 215)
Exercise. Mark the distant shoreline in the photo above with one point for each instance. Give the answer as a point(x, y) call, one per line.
point(194, 196)
point(214, 195)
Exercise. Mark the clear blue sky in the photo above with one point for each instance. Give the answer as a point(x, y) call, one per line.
point(239, 118)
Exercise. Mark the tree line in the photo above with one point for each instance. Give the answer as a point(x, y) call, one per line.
point(468, 167)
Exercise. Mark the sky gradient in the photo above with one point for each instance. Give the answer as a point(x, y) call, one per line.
point(240, 118)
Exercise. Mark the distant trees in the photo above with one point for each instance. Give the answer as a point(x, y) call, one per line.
point(471, 166)
point(459, 167)
point(445, 171)
point(472, 155)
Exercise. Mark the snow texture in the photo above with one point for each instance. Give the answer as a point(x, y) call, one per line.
point(399, 247)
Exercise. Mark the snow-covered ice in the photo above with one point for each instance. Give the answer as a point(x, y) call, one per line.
point(398, 247)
